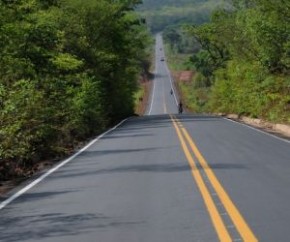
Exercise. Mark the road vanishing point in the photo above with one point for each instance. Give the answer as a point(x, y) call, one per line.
point(163, 177)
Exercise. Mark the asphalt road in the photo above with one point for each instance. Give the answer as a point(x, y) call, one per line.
point(161, 178)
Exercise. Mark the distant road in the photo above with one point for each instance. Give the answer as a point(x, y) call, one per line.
point(161, 178)
point(162, 101)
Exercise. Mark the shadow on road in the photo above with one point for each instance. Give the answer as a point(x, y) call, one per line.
point(157, 121)
point(56, 225)
point(28, 197)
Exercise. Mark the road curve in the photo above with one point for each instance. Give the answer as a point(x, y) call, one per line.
point(161, 177)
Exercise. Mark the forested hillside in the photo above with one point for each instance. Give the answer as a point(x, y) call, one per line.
point(68, 69)
point(163, 13)
point(242, 60)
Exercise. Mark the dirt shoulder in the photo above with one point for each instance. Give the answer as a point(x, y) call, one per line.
point(280, 130)
point(143, 101)
point(8, 185)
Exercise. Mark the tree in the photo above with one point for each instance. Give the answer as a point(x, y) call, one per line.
point(68, 70)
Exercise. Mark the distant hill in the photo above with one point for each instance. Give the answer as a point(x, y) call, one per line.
point(162, 13)
point(155, 5)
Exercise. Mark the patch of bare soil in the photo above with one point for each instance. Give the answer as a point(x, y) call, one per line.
point(183, 76)
point(6, 186)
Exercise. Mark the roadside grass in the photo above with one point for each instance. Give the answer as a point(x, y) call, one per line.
point(138, 97)
point(139, 94)
point(193, 95)
point(177, 61)
point(194, 98)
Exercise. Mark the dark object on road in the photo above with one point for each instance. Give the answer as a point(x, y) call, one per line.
point(162, 59)
point(171, 92)
point(180, 108)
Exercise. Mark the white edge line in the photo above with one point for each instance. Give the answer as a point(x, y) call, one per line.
point(49, 172)
point(152, 99)
point(153, 94)
point(258, 130)
point(169, 74)
point(172, 87)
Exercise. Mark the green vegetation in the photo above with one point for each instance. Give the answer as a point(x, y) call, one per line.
point(177, 61)
point(163, 13)
point(68, 69)
point(242, 57)
point(194, 93)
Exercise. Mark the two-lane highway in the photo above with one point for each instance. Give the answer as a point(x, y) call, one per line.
point(160, 178)
point(162, 101)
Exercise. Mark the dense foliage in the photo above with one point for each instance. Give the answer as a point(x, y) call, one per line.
point(163, 13)
point(68, 69)
point(244, 59)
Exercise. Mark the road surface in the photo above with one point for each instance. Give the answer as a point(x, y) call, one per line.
point(160, 178)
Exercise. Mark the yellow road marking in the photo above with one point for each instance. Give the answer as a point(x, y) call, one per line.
point(241, 225)
point(214, 214)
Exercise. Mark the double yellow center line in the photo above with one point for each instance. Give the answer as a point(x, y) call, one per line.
point(216, 218)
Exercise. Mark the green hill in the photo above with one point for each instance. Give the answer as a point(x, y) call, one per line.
point(162, 13)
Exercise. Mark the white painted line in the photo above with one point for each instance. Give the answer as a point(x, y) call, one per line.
point(152, 99)
point(38, 180)
point(237, 240)
point(171, 83)
point(169, 75)
point(153, 92)
point(258, 130)
point(231, 226)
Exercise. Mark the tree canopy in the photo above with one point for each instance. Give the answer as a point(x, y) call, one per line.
point(163, 13)
point(68, 69)
point(245, 53)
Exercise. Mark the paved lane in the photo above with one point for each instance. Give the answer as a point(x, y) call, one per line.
point(161, 101)
point(133, 185)
point(162, 177)
point(254, 169)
